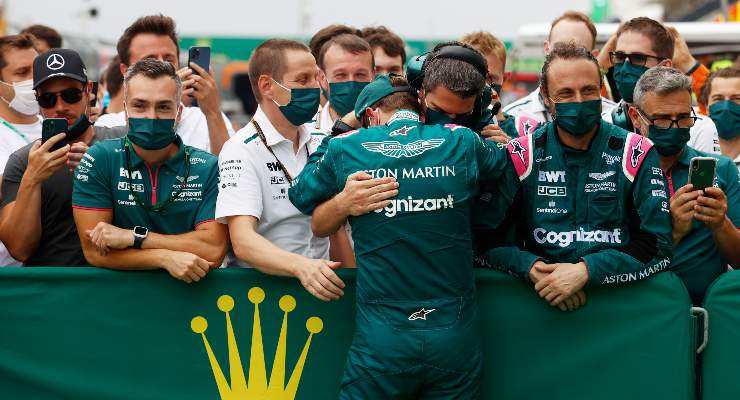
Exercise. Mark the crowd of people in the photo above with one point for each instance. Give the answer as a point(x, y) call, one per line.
point(408, 169)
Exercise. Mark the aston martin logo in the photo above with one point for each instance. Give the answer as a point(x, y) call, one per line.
point(395, 149)
point(637, 152)
point(421, 314)
point(55, 62)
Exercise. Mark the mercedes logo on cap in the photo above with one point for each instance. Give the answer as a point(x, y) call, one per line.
point(55, 62)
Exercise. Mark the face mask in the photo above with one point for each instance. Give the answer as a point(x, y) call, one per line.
point(626, 76)
point(669, 142)
point(106, 99)
point(343, 95)
point(151, 134)
point(78, 128)
point(578, 118)
point(24, 100)
point(304, 102)
point(726, 115)
point(497, 88)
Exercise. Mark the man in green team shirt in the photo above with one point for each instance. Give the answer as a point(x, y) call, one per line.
point(705, 221)
point(417, 325)
point(146, 200)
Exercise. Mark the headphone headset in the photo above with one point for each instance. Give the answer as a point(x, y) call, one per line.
point(451, 50)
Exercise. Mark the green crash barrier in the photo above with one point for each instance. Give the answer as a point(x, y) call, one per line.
point(86, 333)
point(720, 367)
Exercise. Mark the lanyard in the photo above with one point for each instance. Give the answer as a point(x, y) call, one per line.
point(15, 130)
point(279, 163)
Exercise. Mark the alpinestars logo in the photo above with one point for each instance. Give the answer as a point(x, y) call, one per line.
point(402, 131)
point(637, 152)
point(518, 149)
point(411, 204)
point(565, 239)
point(421, 314)
point(395, 149)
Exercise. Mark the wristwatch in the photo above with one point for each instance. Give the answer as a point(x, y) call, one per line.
point(140, 233)
point(340, 127)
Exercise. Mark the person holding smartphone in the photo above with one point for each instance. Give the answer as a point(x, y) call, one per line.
point(705, 219)
point(36, 222)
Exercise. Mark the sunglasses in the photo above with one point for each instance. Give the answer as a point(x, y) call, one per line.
point(619, 57)
point(49, 99)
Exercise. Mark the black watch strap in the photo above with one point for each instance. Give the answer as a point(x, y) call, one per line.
point(340, 127)
point(138, 240)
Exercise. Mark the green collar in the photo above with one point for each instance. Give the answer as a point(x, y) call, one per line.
point(174, 164)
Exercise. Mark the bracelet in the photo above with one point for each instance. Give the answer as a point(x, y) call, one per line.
point(693, 69)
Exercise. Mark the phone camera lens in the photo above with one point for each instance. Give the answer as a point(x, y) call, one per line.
point(196, 52)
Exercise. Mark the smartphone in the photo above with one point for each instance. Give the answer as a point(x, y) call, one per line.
point(200, 55)
point(702, 171)
point(94, 94)
point(52, 127)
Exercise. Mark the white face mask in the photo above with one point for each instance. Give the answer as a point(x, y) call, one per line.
point(24, 100)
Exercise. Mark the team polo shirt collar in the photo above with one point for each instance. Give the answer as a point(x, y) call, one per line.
point(686, 156)
point(273, 137)
point(174, 164)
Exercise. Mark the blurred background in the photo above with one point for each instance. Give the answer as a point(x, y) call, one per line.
point(234, 28)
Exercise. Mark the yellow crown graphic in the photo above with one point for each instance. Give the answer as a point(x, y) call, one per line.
point(257, 387)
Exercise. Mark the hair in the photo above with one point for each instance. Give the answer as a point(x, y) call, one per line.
point(159, 25)
point(20, 42)
point(269, 59)
point(460, 77)
point(112, 77)
point(487, 44)
point(662, 81)
point(380, 36)
point(661, 39)
point(46, 34)
point(350, 43)
point(152, 69)
point(399, 100)
point(726, 73)
point(577, 17)
point(566, 51)
point(326, 33)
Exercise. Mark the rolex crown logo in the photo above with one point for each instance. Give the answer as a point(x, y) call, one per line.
point(256, 386)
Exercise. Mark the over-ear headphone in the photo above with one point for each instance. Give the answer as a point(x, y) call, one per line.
point(416, 66)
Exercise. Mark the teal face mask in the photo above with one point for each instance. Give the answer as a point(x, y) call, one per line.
point(151, 134)
point(669, 142)
point(437, 118)
point(303, 105)
point(626, 76)
point(726, 115)
point(343, 96)
point(578, 118)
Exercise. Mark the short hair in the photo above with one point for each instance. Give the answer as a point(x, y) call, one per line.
point(460, 77)
point(577, 17)
point(45, 33)
point(726, 73)
point(380, 36)
point(112, 77)
point(487, 44)
point(348, 42)
point(269, 59)
point(399, 100)
point(152, 69)
point(662, 81)
point(19, 42)
point(566, 51)
point(661, 39)
point(159, 25)
point(325, 34)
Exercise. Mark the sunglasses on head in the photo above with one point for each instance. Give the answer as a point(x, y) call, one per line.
point(49, 99)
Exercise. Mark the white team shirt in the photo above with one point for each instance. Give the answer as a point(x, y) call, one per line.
point(703, 134)
point(532, 106)
point(10, 141)
point(252, 183)
point(192, 129)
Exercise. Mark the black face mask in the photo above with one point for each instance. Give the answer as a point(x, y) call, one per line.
point(78, 128)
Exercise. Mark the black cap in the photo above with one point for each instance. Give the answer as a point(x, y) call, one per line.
point(58, 63)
